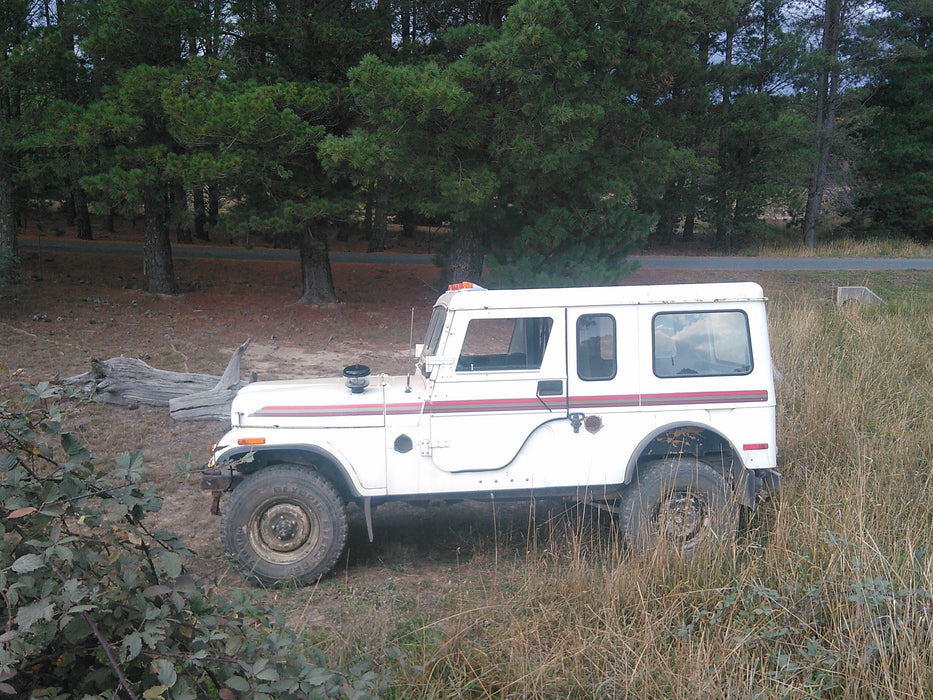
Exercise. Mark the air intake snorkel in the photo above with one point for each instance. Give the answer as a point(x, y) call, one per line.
point(356, 376)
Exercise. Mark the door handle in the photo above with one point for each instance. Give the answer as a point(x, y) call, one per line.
point(551, 387)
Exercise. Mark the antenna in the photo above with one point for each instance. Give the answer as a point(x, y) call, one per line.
point(411, 350)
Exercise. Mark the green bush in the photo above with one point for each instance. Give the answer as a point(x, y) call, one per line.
point(95, 604)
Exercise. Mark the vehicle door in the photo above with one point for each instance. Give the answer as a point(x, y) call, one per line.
point(603, 386)
point(504, 376)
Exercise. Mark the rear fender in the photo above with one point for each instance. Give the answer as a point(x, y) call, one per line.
point(705, 444)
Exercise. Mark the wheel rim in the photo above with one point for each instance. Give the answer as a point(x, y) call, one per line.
point(284, 532)
point(683, 518)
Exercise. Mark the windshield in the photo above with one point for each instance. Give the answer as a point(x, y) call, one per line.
point(433, 337)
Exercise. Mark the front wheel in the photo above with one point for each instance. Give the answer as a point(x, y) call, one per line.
point(285, 523)
point(678, 503)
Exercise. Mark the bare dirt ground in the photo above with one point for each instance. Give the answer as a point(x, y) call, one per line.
point(73, 308)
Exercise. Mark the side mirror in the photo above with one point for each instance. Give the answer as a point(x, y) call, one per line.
point(419, 348)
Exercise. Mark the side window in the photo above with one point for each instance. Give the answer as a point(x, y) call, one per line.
point(499, 344)
point(596, 347)
point(705, 344)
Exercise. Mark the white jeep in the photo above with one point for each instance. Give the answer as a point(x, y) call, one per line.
point(654, 401)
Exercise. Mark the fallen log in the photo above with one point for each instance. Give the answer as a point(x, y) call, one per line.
point(128, 381)
point(213, 404)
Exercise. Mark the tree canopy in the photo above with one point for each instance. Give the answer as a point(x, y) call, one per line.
point(550, 137)
point(896, 164)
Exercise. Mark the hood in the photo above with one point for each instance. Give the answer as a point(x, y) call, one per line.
point(318, 403)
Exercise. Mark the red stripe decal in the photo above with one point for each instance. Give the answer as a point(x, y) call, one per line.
point(515, 405)
point(704, 397)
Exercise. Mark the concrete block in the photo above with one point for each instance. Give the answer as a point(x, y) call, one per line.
point(862, 295)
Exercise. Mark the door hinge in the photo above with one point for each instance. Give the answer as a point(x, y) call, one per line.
point(428, 445)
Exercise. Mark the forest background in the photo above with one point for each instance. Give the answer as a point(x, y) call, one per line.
point(551, 138)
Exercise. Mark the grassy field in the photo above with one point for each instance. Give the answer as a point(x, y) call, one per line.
point(829, 592)
point(845, 248)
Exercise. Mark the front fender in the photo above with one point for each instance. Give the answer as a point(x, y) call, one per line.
point(327, 460)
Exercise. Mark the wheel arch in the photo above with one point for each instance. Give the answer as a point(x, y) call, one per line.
point(703, 443)
point(311, 456)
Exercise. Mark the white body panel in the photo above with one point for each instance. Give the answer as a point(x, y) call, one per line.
point(548, 425)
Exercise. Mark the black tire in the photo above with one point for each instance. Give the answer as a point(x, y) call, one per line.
point(285, 523)
point(678, 504)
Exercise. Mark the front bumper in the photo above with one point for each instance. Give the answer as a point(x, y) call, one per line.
point(217, 480)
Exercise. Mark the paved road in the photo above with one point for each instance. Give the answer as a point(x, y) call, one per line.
point(650, 262)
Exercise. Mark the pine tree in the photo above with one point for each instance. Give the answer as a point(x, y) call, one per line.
point(15, 35)
point(896, 171)
point(138, 50)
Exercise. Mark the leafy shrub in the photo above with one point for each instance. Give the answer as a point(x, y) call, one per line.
point(96, 604)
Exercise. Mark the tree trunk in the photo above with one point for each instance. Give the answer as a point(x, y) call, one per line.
point(9, 242)
point(407, 30)
point(377, 239)
point(213, 207)
point(157, 249)
point(466, 254)
point(669, 215)
point(82, 215)
point(690, 221)
point(825, 116)
point(691, 191)
point(368, 213)
point(317, 281)
point(179, 204)
point(200, 215)
point(68, 206)
point(723, 212)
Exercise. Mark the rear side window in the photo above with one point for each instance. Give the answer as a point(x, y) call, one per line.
point(499, 344)
point(703, 344)
point(596, 347)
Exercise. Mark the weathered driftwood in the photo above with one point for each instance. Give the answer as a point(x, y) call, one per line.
point(213, 404)
point(127, 381)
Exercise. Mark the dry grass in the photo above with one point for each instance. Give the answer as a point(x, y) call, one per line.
point(881, 247)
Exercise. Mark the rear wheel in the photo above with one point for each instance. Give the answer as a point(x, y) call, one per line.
point(678, 503)
point(285, 523)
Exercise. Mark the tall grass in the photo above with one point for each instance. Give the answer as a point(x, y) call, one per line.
point(843, 247)
point(828, 592)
